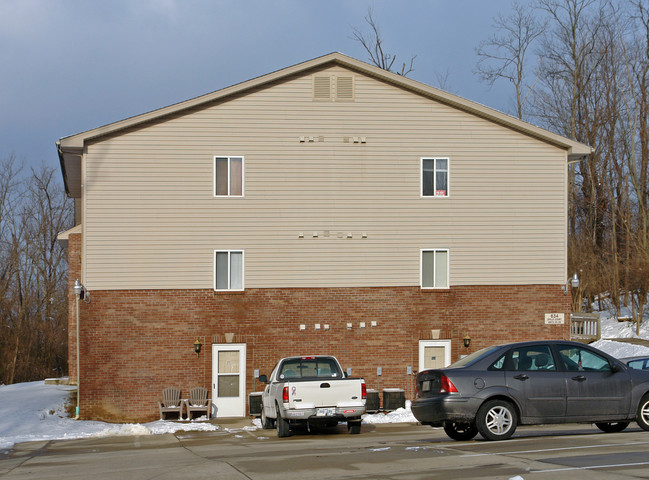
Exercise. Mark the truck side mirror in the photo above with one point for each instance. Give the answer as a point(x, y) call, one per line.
point(263, 378)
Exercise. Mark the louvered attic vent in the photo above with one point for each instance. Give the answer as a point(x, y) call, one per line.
point(332, 88)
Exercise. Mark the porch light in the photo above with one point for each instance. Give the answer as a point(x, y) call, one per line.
point(80, 291)
point(571, 282)
point(197, 346)
point(467, 340)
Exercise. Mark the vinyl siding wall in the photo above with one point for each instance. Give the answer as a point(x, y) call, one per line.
point(151, 220)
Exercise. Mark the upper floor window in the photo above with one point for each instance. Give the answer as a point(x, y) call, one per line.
point(228, 176)
point(228, 270)
point(434, 268)
point(434, 177)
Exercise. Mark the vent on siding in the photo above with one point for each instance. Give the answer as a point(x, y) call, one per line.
point(332, 88)
point(344, 88)
point(322, 88)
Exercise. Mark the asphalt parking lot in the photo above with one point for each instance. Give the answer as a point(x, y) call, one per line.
point(389, 451)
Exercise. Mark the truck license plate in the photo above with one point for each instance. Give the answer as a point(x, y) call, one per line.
point(325, 412)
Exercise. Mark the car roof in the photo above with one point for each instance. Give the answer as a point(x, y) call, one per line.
point(637, 357)
point(542, 342)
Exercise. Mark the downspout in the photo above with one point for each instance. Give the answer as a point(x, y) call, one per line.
point(78, 358)
point(80, 293)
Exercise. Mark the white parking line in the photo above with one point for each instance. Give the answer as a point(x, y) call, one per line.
point(590, 467)
point(605, 445)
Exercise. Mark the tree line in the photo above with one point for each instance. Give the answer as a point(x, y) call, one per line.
point(33, 273)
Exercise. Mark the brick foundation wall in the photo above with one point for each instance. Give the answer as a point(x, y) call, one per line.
point(135, 343)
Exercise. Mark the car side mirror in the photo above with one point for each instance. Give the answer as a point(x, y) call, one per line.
point(616, 368)
point(263, 378)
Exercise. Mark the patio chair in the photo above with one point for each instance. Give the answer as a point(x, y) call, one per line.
point(198, 402)
point(171, 403)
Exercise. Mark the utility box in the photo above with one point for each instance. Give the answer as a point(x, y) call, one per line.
point(393, 399)
point(372, 401)
point(254, 403)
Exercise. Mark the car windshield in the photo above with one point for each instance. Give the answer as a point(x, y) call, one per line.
point(309, 367)
point(474, 357)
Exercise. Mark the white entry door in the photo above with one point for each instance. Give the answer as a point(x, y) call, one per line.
point(434, 354)
point(229, 379)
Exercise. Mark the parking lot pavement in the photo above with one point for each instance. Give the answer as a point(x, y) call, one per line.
point(394, 451)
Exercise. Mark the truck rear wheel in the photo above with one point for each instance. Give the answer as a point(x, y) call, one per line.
point(266, 423)
point(283, 429)
point(354, 427)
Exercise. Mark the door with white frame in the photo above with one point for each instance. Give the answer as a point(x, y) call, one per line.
point(229, 379)
point(434, 354)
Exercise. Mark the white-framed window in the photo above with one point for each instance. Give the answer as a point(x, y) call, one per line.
point(228, 269)
point(434, 268)
point(434, 177)
point(228, 176)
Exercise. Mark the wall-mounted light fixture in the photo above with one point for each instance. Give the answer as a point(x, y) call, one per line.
point(467, 340)
point(80, 291)
point(197, 347)
point(571, 282)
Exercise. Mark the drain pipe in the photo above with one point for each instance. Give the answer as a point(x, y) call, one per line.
point(78, 291)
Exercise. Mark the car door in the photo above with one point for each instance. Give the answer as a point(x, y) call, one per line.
point(534, 380)
point(594, 388)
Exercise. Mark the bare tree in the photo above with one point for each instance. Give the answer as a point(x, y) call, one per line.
point(33, 275)
point(504, 56)
point(373, 45)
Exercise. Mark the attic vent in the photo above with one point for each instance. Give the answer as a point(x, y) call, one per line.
point(329, 88)
point(322, 88)
point(344, 88)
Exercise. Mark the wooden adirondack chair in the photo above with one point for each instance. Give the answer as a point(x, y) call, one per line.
point(171, 403)
point(198, 402)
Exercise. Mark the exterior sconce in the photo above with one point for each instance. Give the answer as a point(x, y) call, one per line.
point(467, 340)
point(80, 291)
point(571, 282)
point(197, 347)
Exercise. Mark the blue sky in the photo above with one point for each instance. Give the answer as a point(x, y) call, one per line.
point(67, 66)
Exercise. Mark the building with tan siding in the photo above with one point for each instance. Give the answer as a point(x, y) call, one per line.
point(327, 208)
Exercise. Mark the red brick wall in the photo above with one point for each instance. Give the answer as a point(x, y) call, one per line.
point(74, 273)
point(135, 343)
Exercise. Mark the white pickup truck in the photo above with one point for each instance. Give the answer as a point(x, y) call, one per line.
point(311, 390)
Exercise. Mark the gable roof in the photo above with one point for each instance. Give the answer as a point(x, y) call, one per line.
point(71, 148)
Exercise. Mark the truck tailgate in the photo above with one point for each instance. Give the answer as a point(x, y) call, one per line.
point(325, 393)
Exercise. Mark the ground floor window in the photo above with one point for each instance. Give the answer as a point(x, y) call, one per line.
point(228, 270)
point(434, 268)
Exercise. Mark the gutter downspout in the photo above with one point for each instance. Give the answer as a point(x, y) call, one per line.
point(78, 362)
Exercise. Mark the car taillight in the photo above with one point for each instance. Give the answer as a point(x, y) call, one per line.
point(446, 385)
point(363, 391)
point(285, 395)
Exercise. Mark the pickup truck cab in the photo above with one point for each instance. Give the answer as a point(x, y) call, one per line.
point(311, 390)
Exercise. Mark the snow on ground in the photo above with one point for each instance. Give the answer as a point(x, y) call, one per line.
point(35, 411)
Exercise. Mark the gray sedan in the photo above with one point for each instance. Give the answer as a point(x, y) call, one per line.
point(495, 389)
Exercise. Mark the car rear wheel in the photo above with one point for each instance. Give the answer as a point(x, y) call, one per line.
point(460, 431)
point(496, 420)
point(643, 413)
point(283, 429)
point(612, 427)
point(266, 423)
